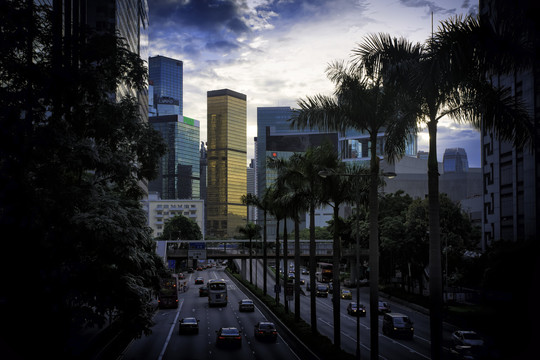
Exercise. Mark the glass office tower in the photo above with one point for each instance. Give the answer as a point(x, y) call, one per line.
point(179, 168)
point(227, 159)
point(167, 76)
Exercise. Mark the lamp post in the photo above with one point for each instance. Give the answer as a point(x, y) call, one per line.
point(373, 283)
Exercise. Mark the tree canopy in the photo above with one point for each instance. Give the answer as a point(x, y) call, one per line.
point(73, 152)
point(181, 228)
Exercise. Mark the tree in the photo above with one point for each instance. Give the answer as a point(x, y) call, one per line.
point(251, 231)
point(180, 227)
point(71, 161)
point(447, 77)
point(361, 102)
point(263, 204)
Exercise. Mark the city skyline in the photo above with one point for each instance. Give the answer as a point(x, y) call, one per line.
point(276, 52)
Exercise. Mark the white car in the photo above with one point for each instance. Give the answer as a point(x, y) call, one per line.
point(468, 338)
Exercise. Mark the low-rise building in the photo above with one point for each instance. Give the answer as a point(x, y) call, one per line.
point(159, 211)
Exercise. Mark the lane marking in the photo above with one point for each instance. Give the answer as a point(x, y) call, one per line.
point(171, 330)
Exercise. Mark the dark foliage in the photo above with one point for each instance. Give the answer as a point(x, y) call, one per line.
point(72, 154)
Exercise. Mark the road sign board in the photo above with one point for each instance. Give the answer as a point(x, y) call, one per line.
point(197, 246)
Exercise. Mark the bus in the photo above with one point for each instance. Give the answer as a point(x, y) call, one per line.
point(217, 292)
point(324, 272)
point(168, 292)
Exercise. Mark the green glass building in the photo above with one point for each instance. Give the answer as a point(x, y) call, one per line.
point(179, 168)
point(227, 158)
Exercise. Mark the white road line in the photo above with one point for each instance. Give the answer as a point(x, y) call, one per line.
point(171, 330)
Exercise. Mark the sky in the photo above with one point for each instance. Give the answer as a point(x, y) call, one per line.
point(276, 51)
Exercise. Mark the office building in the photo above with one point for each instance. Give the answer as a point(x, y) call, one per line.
point(166, 76)
point(276, 139)
point(160, 210)
point(511, 179)
point(179, 168)
point(227, 158)
point(455, 161)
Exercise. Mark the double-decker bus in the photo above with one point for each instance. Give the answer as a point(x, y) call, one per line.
point(168, 292)
point(324, 272)
point(217, 292)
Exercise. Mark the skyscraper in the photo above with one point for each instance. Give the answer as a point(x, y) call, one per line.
point(455, 161)
point(179, 168)
point(227, 158)
point(167, 76)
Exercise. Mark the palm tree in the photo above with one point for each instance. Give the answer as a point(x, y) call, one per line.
point(447, 78)
point(362, 103)
point(293, 199)
point(263, 204)
point(337, 189)
point(251, 231)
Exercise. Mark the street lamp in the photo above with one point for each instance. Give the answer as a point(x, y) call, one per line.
point(373, 282)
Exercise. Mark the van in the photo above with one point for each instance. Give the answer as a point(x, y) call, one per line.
point(398, 325)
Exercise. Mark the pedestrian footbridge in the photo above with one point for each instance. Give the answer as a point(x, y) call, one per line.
point(240, 249)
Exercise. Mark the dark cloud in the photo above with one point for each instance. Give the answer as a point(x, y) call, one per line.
point(436, 9)
point(221, 46)
point(202, 15)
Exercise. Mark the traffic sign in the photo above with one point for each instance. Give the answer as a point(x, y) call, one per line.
point(197, 246)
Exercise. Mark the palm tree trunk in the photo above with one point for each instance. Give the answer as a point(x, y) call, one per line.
point(265, 256)
point(435, 268)
point(312, 264)
point(296, 269)
point(277, 262)
point(250, 262)
point(285, 264)
point(374, 250)
point(336, 286)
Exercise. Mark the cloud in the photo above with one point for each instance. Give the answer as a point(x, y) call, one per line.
point(430, 5)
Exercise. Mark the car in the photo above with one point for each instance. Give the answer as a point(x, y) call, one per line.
point(265, 330)
point(199, 280)
point(302, 281)
point(305, 272)
point(396, 324)
point(203, 291)
point(228, 337)
point(353, 309)
point(346, 294)
point(181, 276)
point(190, 270)
point(384, 307)
point(321, 291)
point(467, 337)
point(189, 325)
point(199, 268)
point(246, 305)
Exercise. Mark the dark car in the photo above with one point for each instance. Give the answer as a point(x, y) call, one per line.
point(188, 325)
point(353, 309)
point(265, 330)
point(384, 307)
point(321, 291)
point(397, 325)
point(203, 291)
point(228, 337)
point(467, 338)
point(246, 305)
point(199, 280)
point(190, 270)
point(181, 276)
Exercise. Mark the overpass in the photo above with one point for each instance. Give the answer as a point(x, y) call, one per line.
point(239, 249)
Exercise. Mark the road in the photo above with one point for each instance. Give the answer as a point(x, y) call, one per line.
point(389, 348)
point(166, 343)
